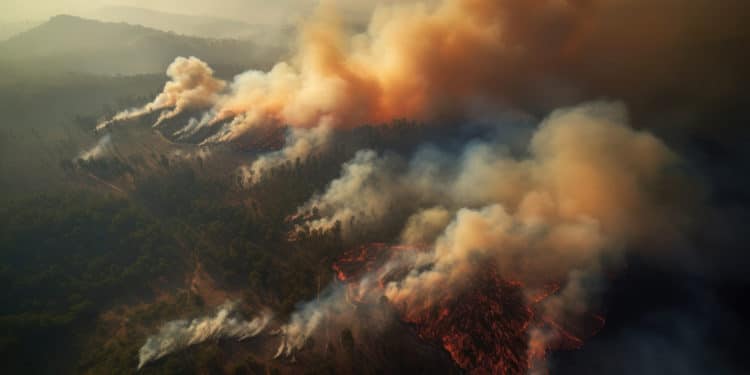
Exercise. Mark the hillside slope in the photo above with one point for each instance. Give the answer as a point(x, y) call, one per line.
point(192, 25)
point(73, 44)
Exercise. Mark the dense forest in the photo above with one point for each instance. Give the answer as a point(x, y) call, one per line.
point(65, 257)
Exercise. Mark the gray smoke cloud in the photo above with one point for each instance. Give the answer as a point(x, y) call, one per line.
point(180, 334)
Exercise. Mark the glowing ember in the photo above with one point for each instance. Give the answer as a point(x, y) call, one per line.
point(483, 329)
point(487, 328)
point(356, 262)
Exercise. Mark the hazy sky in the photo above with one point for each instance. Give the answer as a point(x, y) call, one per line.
point(264, 11)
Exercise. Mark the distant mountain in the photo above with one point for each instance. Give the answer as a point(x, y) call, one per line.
point(192, 25)
point(11, 28)
point(73, 44)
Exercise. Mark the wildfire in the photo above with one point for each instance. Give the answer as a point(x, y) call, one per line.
point(487, 329)
point(483, 329)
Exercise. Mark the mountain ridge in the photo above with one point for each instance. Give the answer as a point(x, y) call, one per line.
point(187, 24)
point(70, 43)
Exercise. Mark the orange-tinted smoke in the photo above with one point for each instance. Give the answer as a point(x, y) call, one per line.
point(445, 59)
point(437, 60)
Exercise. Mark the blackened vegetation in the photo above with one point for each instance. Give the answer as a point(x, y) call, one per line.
point(484, 329)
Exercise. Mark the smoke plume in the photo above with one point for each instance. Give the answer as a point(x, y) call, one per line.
point(450, 59)
point(564, 213)
point(101, 148)
point(192, 86)
point(330, 306)
point(299, 144)
point(180, 334)
point(365, 191)
point(587, 155)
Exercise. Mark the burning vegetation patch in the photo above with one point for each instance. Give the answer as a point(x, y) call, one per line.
point(483, 329)
point(491, 327)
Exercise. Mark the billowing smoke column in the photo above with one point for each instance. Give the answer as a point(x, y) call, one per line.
point(180, 334)
point(589, 188)
point(192, 86)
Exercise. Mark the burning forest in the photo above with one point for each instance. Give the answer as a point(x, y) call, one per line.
point(440, 186)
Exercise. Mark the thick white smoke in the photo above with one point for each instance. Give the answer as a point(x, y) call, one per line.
point(180, 334)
